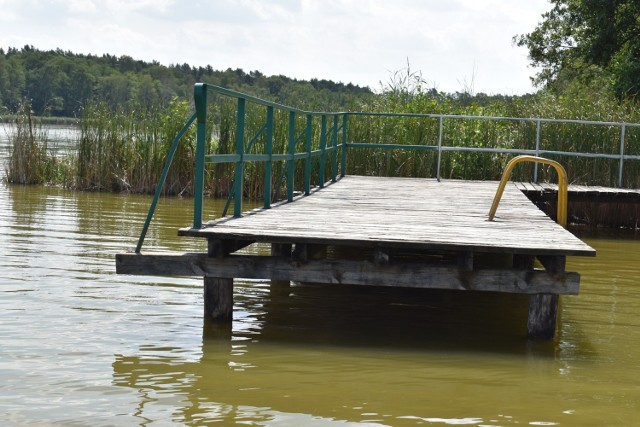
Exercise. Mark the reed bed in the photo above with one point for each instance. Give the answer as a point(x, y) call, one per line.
point(125, 150)
point(30, 159)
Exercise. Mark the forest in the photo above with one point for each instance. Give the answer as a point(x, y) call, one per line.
point(60, 83)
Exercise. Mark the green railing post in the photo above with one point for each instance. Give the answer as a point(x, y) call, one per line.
point(440, 128)
point(323, 154)
point(291, 152)
point(268, 167)
point(334, 153)
point(343, 160)
point(537, 153)
point(239, 169)
point(307, 160)
point(200, 99)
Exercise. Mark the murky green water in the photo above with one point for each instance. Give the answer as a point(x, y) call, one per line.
point(82, 346)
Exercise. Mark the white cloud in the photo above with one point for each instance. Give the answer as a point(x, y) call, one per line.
point(453, 42)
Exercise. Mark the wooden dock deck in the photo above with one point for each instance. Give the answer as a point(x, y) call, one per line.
point(387, 232)
point(404, 213)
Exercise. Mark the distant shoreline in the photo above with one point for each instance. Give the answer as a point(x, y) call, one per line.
point(66, 121)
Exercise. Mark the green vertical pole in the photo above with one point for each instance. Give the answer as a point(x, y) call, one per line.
point(440, 130)
point(307, 160)
point(268, 167)
point(343, 162)
point(200, 99)
point(334, 153)
point(323, 154)
point(291, 152)
point(239, 169)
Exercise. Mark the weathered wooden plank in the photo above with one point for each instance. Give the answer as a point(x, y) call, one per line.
point(349, 272)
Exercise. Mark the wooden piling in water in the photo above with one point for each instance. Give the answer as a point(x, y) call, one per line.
point(218, 298)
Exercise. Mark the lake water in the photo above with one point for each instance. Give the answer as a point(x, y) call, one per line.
point(82, 346)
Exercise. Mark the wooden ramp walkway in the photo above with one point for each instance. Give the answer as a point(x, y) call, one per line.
point(387, 232)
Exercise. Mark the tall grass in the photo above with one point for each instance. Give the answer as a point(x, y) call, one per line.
point(125, 150)
point(30, 160)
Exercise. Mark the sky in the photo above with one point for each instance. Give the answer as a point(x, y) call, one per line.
point(455, 45)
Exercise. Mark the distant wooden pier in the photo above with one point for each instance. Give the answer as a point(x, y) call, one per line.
point(404, 232)
point(594, 206)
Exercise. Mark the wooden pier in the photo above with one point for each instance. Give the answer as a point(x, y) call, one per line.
point(403, 232)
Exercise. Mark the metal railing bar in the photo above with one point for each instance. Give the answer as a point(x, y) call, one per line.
point(491, 118)
point(255, 137)
point(222, 158)
point(391, 146)
point(163, 178)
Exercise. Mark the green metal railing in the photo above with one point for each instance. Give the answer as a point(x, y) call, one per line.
point(321, 140)
point(296, 135)
point(327, 147)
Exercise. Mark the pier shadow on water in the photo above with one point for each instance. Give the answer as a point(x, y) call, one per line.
point(398, 318)
point(310, 354)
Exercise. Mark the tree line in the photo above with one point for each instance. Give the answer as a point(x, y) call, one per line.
point(59, 83)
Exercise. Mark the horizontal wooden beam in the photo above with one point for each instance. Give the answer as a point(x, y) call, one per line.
point(414, 275)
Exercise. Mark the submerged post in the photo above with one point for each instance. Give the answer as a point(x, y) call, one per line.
point(218, 291)
point(218, 299)
point(543, 308)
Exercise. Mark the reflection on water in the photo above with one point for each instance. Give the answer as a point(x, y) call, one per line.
point(80, 345)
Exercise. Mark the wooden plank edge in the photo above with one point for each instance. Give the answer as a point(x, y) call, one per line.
point(414, 275)
point(265, 237)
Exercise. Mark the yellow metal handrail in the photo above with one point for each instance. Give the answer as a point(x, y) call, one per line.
point(562, 185)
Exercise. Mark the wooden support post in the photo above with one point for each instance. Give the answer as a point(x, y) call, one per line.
point(382, 256)
point(465, 261)
point(280, 287)
point(218, 292)
point(220, 248)
point(543, 308)
point(306, 252)
point(218, 299)
point(281, 249)
point(523, 262)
